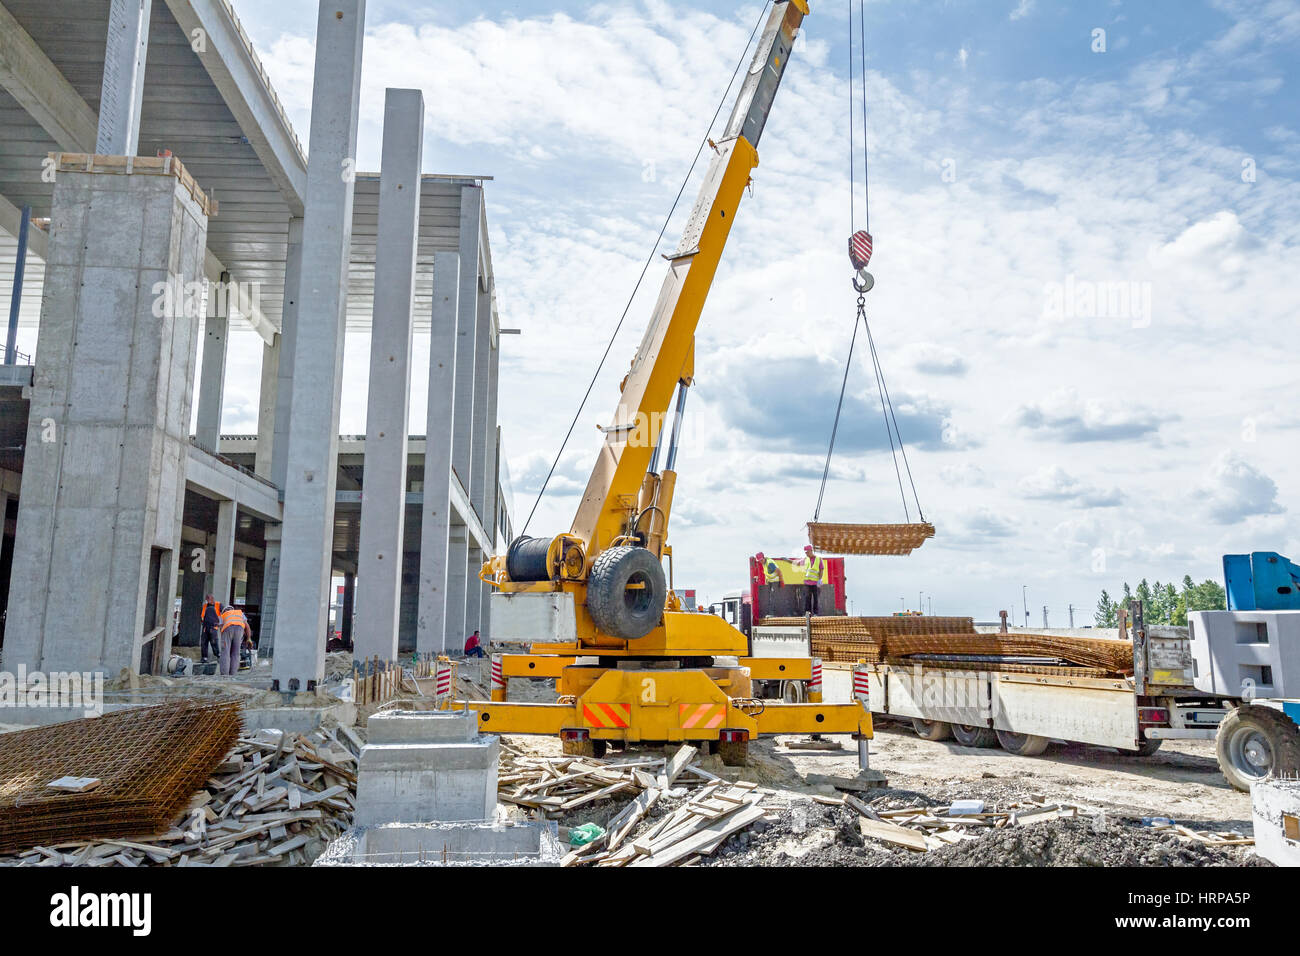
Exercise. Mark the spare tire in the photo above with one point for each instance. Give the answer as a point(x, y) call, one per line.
point(626, 592)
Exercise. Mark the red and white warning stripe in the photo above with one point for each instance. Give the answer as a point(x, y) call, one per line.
point(862, 683)
point(860, 249)
point(815, 680)
point(442, 681)
point(498, 681)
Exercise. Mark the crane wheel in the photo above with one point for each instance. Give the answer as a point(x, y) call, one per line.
point(1022, 745)
point(626, 592)
point(931, 729)
point(968, 735)
point(1257, 743)
point(733, 753)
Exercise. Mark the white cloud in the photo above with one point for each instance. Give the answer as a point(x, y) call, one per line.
point(1054, 483)
point(1067, 417)
point(1022, 10)
point(1234, 490)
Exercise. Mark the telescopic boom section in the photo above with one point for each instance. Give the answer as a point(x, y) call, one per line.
point(665, 355)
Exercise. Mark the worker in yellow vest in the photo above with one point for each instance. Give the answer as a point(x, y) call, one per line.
point(771, 571)
point(812, 579)
point(234, 626)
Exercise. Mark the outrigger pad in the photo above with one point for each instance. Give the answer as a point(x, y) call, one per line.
point(831, 538)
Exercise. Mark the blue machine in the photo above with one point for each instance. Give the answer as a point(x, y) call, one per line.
point(1261, 581)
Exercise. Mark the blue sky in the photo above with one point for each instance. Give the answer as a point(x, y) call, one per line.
point(1015, 172)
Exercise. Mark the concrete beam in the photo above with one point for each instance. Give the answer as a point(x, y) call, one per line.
point(308, 532)
point(11, 218)
point(215, 479)
point(40, 89)
point(243, 306)
point(212, 382)
point(435, 521)
point(227, 55)
point(457, 580)
point(121, 95)
point(383, 510)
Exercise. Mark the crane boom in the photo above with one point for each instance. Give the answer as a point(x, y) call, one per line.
point(665, 356)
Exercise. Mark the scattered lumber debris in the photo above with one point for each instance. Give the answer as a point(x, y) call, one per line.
point(148, 761)
point(923, 829)
point(708, 810)
point(275, 799)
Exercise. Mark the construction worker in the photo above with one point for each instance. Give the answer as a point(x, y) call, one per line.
point(812, 579)
point(234, 626)
point(771, 571)
point(473, 648)
point(210, 619)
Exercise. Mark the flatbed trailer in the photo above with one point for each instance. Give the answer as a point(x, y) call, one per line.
point(1023, 706)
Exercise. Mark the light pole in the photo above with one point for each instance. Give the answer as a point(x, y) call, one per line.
point(1024, 602)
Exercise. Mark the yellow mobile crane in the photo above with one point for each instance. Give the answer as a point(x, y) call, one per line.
point(594, 603)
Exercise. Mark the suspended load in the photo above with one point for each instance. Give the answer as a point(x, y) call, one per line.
point(841, 538)
point(838, 538)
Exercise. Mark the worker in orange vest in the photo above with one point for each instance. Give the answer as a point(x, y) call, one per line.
point(812, 579)
point(234, 627)
point(210, 621)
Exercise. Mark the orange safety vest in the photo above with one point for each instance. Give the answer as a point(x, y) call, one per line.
point(232, 616)
point(203, 611)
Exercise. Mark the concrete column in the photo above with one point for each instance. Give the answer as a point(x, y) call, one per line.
point(121, 93)
point(212, 380)
point(346, 612)
point(435, 522)
point(223, 559)
point(471, 218)
point(287, 340)
point(270, 592)
point(493, 437)
point(306, 553)
point(193, 591)
point(383, 499)
point(473, 594)
point(266, 408)
point(457, 564)
point(103, 484)
point(482, 373)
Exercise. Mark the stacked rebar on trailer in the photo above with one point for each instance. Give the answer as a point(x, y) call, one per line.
point(953, 640)
point(835, 538)
point(149, 762)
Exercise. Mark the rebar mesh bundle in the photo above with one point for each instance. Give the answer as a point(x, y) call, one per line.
point(149, 760)
point(1112, 656)
point(829, 538)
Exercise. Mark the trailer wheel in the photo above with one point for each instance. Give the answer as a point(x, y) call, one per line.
point(792, 691)
point(626, 591)
point(1256, 743)
point(1145, 749)
point(733, 753)
point(968, 735)
point(931, 729)
point(1022, 745)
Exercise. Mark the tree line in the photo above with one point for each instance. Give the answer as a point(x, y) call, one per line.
point(1163, 603)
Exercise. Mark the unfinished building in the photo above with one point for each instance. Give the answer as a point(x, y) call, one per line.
point(154, 194)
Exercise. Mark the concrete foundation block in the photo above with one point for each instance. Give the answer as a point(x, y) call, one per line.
point(533, 843)
point(419, 726)
point(421, 767)
point(1276, 806)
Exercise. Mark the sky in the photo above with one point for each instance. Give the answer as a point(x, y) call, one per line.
point(1086, 220)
